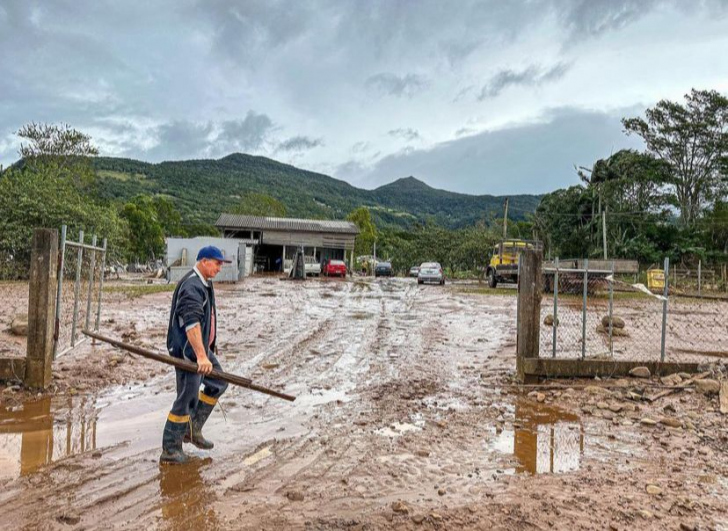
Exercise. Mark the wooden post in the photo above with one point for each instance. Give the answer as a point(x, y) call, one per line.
point(41, 307)
point(529, 311)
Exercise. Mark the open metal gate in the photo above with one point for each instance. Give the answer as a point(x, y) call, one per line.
point(79, 299)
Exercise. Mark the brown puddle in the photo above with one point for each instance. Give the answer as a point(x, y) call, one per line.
point(44, 430)
point(545, 439)
point(186, 496)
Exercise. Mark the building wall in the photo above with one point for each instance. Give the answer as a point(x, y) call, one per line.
point(230, 248)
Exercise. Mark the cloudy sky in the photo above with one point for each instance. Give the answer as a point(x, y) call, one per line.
point(481, 97)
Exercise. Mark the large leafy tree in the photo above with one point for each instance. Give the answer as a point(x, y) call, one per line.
point(362, 218)
point(50, 187)
point(58, 150)
point(38, 199)
point(146, 234)
point(693, 139)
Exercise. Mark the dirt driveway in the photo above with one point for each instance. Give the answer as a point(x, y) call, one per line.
point(407, 418)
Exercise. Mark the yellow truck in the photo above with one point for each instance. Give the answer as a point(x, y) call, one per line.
point(503, 265)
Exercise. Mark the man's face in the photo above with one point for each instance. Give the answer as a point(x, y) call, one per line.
point(209, 267)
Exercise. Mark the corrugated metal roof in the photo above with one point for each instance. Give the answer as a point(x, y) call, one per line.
point(236, 221)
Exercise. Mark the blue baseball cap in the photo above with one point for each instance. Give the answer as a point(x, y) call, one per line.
point(212, 253)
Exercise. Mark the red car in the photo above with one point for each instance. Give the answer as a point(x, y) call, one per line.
point(334, 268)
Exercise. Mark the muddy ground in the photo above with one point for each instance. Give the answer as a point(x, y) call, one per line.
point(407, 417)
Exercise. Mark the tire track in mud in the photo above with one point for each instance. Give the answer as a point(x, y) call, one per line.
point(362, 357)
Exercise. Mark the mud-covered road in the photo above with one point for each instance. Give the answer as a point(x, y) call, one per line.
point(407, 417)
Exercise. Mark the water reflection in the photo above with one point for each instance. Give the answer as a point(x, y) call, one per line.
point(186, 498)
point(545, 439)
point(43, 430)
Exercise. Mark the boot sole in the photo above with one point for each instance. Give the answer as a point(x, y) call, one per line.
point(196, 444)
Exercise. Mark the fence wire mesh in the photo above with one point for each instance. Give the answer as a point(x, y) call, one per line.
point(575, 322)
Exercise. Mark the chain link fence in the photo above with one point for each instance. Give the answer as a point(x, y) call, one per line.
point(590, 314)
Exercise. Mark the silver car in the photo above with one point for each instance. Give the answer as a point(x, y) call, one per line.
point(431, 272)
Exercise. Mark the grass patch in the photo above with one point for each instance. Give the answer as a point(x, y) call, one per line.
point(134, 292)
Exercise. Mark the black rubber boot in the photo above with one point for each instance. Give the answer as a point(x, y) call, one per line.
point(172, 443)
point(198, 419)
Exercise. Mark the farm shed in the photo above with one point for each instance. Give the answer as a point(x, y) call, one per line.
point(275, 240)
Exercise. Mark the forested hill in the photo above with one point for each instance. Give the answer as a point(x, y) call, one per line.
point(202, 189)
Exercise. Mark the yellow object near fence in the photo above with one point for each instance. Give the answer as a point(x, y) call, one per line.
point(656, 279)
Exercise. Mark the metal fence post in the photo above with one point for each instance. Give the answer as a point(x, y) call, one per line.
point(59, 291)
point(664, 310)
point(583, 310)
point(101, 286)
point(556, 304)
point(611, 315)
point(92, 271)
point(700, 274)
point(77, 288)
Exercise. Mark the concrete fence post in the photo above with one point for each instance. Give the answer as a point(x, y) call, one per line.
point(42, 307)
point(528, 310)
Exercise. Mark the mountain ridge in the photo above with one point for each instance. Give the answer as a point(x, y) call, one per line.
point(203, 188)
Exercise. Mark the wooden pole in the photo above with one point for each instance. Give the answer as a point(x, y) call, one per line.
point(189, 366)
point(42, 307)
point(505, 220)
point(529, 311)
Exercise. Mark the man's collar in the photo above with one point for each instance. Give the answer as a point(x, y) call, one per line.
point(197, 271)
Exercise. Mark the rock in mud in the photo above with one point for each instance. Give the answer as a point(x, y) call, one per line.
point(640, 372)
point(295, 495)
point(708, 386)
point(671, 422)
point(616, 332)
point(400, 507)
point(418, 518)
point(672, 379)
point(654, 490)
point(617, 322)
point(422, 453)
point(19, 325)
point(648, 422)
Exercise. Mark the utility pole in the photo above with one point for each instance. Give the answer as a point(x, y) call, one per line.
point(604, 231)
point(505, 219)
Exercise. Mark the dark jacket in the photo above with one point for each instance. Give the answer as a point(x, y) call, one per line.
point(192, 302)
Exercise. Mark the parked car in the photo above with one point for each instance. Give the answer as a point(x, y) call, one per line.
point(414, 271)
point(383, 269)
point(333, 268)
point(313, 268)
point(431, 272)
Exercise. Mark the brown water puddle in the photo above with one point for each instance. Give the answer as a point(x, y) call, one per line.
point(544, 439)
point(44, 430)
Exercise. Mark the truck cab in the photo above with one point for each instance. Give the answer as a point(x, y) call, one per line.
point(503, 264)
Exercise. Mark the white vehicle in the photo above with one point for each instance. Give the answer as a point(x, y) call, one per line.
point(431, 272)
point(313, 268)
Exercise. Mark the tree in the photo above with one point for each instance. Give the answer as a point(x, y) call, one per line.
point(693, 140)
point(146, 235)
point(255, 204)
point(362, 218)
point(34, 199)
point(59, 150)
point(168, 216)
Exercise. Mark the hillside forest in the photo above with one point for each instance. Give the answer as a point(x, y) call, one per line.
point(668, 200)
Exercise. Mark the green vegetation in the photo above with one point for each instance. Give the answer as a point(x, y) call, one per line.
point(670, 200)
point(202, 189)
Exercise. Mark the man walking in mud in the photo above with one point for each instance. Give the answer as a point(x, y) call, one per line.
point(191, 335)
